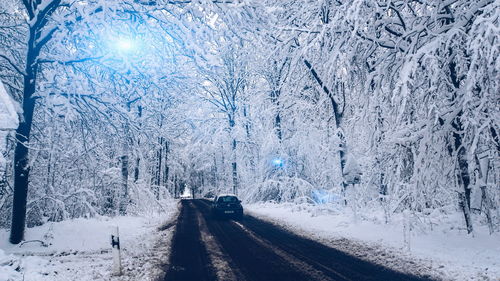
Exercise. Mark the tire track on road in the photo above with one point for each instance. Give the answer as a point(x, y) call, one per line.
point(220, 261)
point(189, 258)
point(248, 256)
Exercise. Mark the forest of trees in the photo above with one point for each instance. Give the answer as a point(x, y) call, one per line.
point(380, 104)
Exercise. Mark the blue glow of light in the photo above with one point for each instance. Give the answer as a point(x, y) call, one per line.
point(277, 162)
point(321, 196)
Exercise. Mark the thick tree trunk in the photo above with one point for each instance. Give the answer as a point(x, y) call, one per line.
point(21, 161)
point(38, 18)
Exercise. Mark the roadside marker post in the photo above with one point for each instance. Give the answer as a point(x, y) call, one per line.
point(115, 244)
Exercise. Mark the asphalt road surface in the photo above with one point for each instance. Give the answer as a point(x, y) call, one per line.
point(205, 248)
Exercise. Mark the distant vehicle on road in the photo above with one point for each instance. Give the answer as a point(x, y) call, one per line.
point(227, 205)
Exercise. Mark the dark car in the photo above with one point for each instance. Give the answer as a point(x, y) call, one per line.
point(227, 205)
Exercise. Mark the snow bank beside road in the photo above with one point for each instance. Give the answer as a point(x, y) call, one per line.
point(449, 253)
point(80, 248)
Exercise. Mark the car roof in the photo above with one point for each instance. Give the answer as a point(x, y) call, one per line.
point(226, 194)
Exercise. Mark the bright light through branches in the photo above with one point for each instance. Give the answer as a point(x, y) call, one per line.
point(124, 44)
point(277, 162)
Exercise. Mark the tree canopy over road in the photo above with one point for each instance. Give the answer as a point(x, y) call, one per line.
point(379, 104)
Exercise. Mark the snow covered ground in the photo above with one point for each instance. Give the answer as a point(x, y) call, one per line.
point(8, 119)
point(443, 252)
point(80, 249)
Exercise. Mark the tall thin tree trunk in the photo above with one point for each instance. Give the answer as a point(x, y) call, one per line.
point(234, 169)
point(214, 175)
point(137, 168)
point(483, 162)
point(124, 159)
point(123, 197)
point(277, 118)
point(338, 122)
point(487, 206)
point(138, 158)
point(159, 159)
point(176, 184)
point(234, 165)
point(167, 168)
point(247, 123)
point(463, 176)
point(124, 192)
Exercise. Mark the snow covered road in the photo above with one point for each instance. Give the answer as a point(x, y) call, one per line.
point(204, 248)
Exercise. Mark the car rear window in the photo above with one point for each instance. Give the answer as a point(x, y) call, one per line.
point(227, 199)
